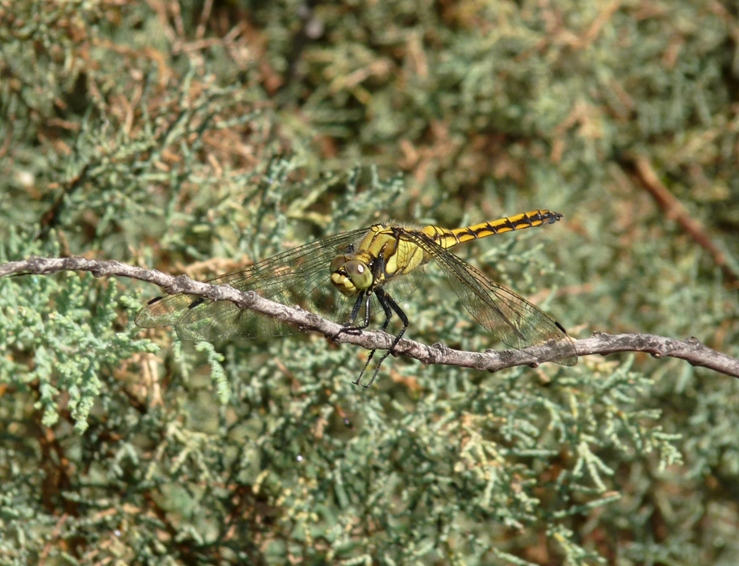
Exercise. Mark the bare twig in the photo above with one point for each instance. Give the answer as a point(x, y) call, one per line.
point(690, 350)
point(648, 178)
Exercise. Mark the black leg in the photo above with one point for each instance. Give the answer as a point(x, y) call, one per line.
point(389, 306)
point(355, 308)
point(349, 327)
point(367, 313)
point(388, 314)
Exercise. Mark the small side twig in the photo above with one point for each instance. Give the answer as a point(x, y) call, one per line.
point(690, 350)
point(649, 180)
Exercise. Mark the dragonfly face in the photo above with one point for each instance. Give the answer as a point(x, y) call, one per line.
point(360, 264)
point(350, 275)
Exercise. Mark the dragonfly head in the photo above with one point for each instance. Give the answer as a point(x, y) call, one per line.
point(349, 275)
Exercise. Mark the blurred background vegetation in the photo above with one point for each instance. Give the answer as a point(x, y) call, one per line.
point(199, 136)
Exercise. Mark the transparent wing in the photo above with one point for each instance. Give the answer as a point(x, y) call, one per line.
point(300, 276)
point(510, 318)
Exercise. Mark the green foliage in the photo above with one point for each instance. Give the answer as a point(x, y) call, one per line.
point(199, 137)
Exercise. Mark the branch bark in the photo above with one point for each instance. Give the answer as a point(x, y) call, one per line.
point(690, 350)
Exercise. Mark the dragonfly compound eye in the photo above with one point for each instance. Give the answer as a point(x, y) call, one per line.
point(350, 276)
point(359, 273)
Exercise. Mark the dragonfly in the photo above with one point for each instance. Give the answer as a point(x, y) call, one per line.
point(353, 275)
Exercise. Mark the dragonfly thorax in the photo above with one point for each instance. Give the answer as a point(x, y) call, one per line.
point(350, 275)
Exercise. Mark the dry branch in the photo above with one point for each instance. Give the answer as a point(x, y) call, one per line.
point(691, 350)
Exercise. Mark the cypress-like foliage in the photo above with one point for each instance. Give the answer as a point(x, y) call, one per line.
point(199, 137)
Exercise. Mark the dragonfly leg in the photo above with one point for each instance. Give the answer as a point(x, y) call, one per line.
point(388, 314)
point(355, 311)
point(351, 328)
point(389, 306)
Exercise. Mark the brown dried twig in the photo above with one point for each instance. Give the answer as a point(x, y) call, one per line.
point(648, 179)
point(690, 350)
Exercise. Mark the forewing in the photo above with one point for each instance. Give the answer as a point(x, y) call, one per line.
point(510, 318)
point(300, 276)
